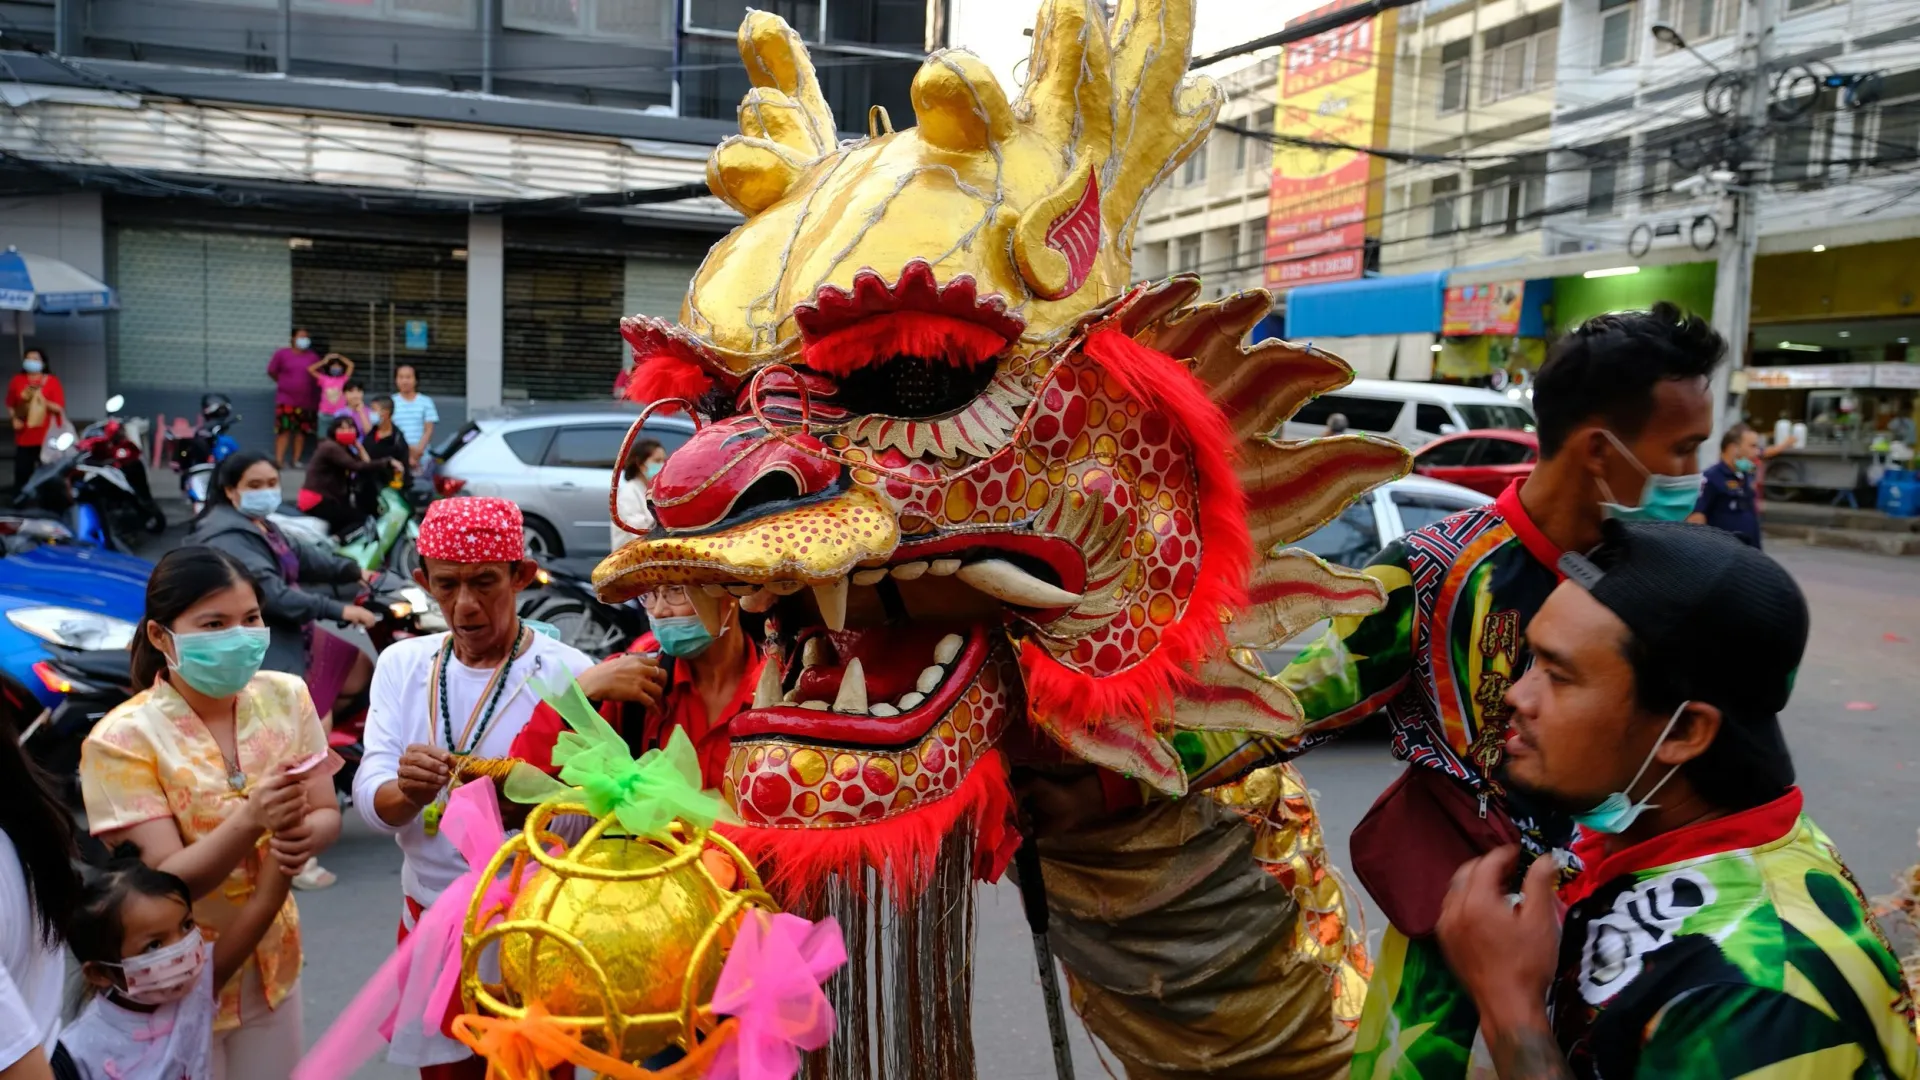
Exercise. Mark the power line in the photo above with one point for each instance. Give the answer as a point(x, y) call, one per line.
point(1304, 29)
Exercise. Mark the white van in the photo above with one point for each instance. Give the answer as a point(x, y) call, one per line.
point(1412, 414)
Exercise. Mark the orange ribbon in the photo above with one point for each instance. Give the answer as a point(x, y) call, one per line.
point(529, 1047)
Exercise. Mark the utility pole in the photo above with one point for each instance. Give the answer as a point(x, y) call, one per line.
point(1740, 243)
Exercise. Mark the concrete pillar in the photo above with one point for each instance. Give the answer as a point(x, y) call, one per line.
point(486, 302)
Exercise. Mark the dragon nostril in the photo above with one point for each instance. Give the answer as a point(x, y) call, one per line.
point(774, 490)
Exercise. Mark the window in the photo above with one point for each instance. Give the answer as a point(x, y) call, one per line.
point(1363, 413)
point(1800, 151)
point(1260, 155)
point(1698, 20)
point(1445, 208)
point(438, 12)
point(1503, 452)
point(1493, 208)
point(593, 447)
point(1453, 75)
point(1444, 455)
point(1895, 138)
point(1602, 179)
point(1520, 57)
point(1431, 419)
point(1242, 150)
point(1255, 241)
point(1350, 539)
point(528, 444)
point(1533, 190)
point(1480, 417)
point(1195, 169)
point(1420, 511)
point(1806, 5)
point(1188, 259)
point(638, 21)
point(1616, 32)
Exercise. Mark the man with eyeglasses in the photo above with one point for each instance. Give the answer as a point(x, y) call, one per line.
point(702, 676)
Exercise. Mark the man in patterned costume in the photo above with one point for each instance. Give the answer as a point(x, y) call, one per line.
point(1014, 520)
point(1713, 932)
point(1622, 406)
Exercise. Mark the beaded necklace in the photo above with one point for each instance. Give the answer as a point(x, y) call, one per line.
point(489, 701)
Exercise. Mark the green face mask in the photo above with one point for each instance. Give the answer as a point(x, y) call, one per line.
point(220, 663)
point(1664, 498)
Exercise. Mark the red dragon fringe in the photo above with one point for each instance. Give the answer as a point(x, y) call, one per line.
point(903, 850)
point(903, 333)
point(1144, 694)
point(664, 375)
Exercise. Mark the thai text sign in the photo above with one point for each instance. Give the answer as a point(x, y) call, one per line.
point(1482, 309)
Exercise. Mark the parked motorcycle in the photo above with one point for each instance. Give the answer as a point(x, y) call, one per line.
point(97, 482)
point(94, 682)
point(197, 456)
point(388, 541)
point(567, 602)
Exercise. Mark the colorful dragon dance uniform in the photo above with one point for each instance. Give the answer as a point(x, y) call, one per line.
point(1008, 512)
point(1739, 947)
point(1439, 657)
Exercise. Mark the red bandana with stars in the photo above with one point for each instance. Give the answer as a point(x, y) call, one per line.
point(472, 530)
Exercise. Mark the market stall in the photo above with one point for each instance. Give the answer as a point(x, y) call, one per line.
point(1851, 415)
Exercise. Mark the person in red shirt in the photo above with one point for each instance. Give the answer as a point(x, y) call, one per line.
point(35, 399)
point(693, 679)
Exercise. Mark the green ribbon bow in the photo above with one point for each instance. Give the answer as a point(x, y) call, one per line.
point(646, 795)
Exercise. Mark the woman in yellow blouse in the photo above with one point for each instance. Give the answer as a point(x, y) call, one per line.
point(198, 771)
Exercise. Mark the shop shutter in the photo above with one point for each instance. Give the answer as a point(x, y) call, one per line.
point(198, 310)
point(356, 298)
point(562, 325)
point(657, 286)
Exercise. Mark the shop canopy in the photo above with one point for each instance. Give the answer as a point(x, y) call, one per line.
point(1399, 304)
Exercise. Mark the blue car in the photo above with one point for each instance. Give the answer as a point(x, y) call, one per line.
point(67, 613)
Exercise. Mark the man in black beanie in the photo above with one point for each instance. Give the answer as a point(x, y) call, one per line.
point(1713, 931)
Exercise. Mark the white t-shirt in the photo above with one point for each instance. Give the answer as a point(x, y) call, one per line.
point(400, 714)
point(112, 1042)
point(32, 973)
point(632, 503)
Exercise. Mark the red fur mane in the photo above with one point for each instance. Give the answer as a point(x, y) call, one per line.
point(664, 375)
point(911, 333)
point(1144, 693)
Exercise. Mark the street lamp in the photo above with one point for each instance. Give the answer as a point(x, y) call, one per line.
point(1668, 36)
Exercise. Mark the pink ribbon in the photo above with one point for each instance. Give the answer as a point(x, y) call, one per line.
point(770, 985)
point(419, 980)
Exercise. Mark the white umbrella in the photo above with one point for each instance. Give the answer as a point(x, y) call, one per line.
point(40, 283)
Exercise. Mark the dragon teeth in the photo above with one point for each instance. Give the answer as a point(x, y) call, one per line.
point(833, 604)
point(948, 649)
point(944, 567)
point(767, 693)
point(852, 697)
point(910, 571)
point(1003, 580)
point(929, 679)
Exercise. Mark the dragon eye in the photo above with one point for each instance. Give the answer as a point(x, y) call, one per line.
point(912, 387)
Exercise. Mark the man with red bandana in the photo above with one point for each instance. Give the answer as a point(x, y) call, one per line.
point(443, 697)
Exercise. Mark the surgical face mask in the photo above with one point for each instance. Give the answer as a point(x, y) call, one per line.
point(344, 437)
point(220, 663)
point(653, 468)
point(259, 502)
point(1664, 498)
point(302, 342)
point(681, 635)
point(164, 976)
point(1743, 465)
point(33, 365)
point(1617, 812)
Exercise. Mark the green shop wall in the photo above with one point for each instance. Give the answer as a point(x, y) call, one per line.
point(1577, 299)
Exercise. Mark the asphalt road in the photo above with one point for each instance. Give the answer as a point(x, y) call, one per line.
point(1853, 727)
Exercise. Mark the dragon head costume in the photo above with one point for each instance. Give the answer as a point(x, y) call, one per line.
point(1002, 496)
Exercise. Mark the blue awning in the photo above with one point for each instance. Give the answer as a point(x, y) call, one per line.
point(1397, 304)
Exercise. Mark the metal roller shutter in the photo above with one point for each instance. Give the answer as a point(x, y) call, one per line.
point(657, 286)
point(356, 298)
point(198, 310)
point(562, 325)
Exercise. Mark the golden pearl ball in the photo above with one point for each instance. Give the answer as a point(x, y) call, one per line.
point(643, 934)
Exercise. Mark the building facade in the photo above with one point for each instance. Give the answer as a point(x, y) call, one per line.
point(480, 188)
point(1210, 216)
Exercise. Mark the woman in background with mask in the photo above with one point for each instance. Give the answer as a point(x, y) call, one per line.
point(644, 462)
point(35, 399)
point(200, 767)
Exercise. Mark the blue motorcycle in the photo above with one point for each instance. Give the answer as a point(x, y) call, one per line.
point(68, 611)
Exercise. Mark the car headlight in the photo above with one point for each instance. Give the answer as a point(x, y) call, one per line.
point(72, 627)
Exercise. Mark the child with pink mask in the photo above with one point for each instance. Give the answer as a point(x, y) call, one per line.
point(154, 978)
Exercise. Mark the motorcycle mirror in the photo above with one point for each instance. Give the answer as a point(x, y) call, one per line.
point(115, 403)
point(63, 440)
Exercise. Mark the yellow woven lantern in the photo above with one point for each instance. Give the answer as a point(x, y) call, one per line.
point(618, 938)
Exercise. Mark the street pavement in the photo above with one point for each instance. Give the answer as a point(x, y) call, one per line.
point(1853, 727)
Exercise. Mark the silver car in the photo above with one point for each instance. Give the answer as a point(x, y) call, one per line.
point(1373, 521)
point(556, 461)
